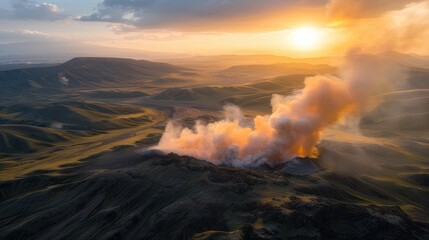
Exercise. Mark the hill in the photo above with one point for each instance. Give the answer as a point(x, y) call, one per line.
point(32, 126)
point(251, 96)
point(82, 73)
point(255, 71)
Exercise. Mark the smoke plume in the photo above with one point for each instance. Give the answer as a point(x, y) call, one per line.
point(293, 129)
point(296, 125)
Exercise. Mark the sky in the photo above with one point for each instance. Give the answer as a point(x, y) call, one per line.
point(299, 28)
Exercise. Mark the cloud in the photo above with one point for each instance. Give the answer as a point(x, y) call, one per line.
point(30, 10)
point(403, 30)
point(233, 15)
point(201, 15)
point(11, 36)
point(354, 9)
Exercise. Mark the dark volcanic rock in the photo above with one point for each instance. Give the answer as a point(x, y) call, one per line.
point(300, 167)
point(327, 191)
point(347, 221)
point(420, 179)
point(158, 196)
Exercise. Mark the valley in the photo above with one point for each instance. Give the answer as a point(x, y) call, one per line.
point(76, 158)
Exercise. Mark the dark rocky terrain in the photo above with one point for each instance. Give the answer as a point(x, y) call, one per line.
point(157, 196)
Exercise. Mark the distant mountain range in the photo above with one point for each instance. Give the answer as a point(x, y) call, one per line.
point(57, 51)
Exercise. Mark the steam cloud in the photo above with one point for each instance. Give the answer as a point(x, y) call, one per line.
point(63, 79)
point(293, 129)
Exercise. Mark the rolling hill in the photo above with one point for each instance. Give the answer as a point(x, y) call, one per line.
point(75, 158)
point(251, 96)
point(30, 127)
point(82, 73)
point(252, 72)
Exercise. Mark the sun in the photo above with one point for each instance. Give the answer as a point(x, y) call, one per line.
point(306, 38)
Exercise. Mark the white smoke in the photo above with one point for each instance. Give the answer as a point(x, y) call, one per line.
point(63, 80)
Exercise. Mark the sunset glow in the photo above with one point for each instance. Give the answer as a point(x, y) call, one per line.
point(306, 38)
point(297, 29)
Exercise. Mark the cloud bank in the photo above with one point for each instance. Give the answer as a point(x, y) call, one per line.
point(30, 10)
point(353, 9)
point(233, 15)
point(11, 36)
point(201, 15)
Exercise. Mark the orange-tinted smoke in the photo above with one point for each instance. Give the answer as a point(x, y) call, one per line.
point(294, 128)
